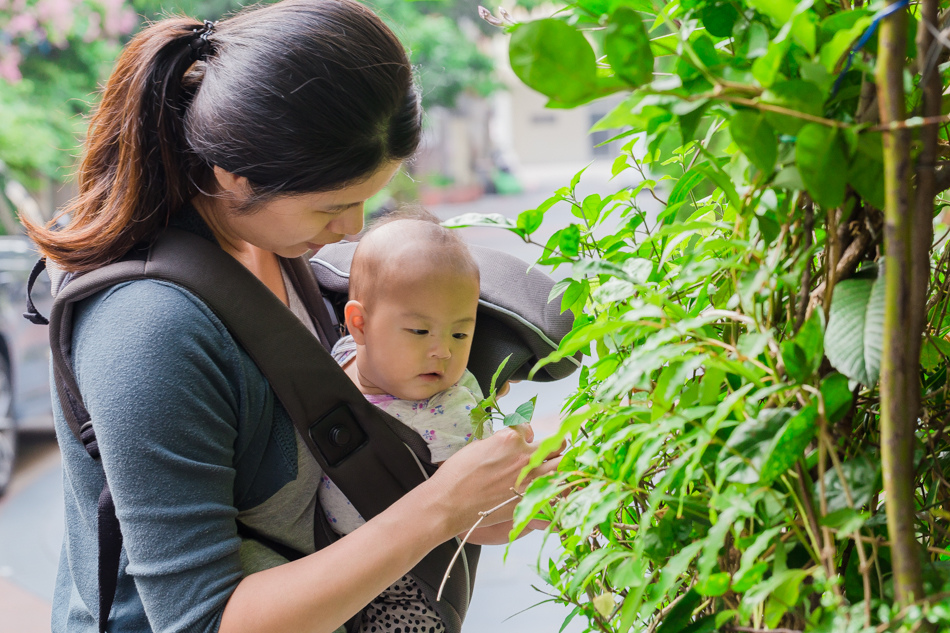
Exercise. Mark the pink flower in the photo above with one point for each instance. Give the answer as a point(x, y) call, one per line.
point(93, 31)
point(10, 66)
point(21, 23)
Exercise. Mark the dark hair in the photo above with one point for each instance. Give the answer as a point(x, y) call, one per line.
point(300, 96)
point(420, 238)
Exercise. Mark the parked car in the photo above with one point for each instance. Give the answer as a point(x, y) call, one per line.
point(25, 404)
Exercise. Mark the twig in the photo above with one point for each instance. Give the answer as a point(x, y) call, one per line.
point(483, 516)
point(848, 262)
point(808, 226)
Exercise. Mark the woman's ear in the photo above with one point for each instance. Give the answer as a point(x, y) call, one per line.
point(355, 316)
point(230, 183)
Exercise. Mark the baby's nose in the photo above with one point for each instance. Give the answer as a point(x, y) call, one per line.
point(440, 349)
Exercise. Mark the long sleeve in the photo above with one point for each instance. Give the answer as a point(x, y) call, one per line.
point(165, 385)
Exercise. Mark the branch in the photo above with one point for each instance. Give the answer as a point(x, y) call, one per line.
point(848, 262)
point(483, 516)
point(904, 301)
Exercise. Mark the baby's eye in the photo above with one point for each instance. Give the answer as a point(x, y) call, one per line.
point(419, 332)
point(460, 336)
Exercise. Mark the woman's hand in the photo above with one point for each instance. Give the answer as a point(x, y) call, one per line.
point(499, 534)
point(483, 475)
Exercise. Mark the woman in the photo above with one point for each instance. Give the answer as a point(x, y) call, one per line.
point(265, 133)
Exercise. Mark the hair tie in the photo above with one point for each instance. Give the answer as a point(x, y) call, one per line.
point(199, 44)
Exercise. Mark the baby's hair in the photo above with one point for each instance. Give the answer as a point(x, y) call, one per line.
point(421, 243)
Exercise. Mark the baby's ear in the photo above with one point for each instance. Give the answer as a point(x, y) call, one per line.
point(355, 316)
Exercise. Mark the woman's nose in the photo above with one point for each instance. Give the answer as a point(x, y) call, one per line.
point(350, 221)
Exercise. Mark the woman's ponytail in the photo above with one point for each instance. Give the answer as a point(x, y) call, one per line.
point(136, 169)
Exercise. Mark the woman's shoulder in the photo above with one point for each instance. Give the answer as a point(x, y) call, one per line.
point(147, 305)
point(148, 334)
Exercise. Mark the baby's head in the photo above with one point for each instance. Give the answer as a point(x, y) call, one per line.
point(413, 297)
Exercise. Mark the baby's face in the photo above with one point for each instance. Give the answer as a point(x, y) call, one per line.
point(418, 336)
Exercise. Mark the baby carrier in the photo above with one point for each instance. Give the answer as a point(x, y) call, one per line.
point(353, 441)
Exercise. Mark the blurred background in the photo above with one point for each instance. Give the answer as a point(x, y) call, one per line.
point(490, 146)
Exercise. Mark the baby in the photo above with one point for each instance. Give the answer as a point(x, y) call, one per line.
point(414, 291)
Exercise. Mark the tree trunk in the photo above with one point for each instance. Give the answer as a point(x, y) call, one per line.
point(905, 297)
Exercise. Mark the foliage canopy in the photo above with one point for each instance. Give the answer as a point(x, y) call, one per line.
point(730, 440)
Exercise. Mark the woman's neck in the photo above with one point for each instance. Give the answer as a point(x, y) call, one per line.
point(265, 265)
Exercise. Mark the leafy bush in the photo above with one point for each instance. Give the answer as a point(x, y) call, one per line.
point(730, 441)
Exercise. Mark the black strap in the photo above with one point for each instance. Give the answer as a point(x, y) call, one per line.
point(110, 549)
point(248, 532)
point(32, 314)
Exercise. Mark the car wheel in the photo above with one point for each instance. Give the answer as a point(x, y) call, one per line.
point(8, 432)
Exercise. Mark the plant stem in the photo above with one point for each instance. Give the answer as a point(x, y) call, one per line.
point(900, 391)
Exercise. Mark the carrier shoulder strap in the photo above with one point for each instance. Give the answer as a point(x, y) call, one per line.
point(353, 441)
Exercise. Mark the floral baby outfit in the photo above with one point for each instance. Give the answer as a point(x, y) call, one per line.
point(443, 422)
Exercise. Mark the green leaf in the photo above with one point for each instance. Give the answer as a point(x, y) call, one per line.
point(628, 47)
point(569, 240)
point(784, 596)
point(837, 396)
point(494, 379)
point(538, 495)
point(522, 414)
point(780, 11)
point(934, 352)
point(756, 138)
point(789, 444)
point(719, 19)
point(766, 69)
point(796, 365)
point(684, 185)
point(846, 521)
point(820, 156)
point(804, 31)
point(716, 585)
point(493, 220)
point(553, 58)
point(863, 476)
point(702, 625)
point(715, 173)
point(796, 94)
point(866, 169)
point(530, 221)
point(751, 444)
point(677, 619)
point(689, 121)
point(811, 339)
point(479, 416)
point(855, 331)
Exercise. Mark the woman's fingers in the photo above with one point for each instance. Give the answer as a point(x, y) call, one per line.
point(525, 431)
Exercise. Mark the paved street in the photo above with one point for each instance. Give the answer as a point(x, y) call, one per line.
point(31, 513)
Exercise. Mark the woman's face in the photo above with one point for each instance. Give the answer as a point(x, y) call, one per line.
point(291, 225)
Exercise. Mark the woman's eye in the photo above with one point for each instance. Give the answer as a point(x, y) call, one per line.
point(419, 332)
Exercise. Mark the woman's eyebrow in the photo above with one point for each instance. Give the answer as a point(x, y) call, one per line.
point(341, 207)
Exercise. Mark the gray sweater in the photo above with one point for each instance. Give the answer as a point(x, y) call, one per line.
point(192, 438)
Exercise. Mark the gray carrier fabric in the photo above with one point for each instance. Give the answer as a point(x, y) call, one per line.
point(514, 315)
